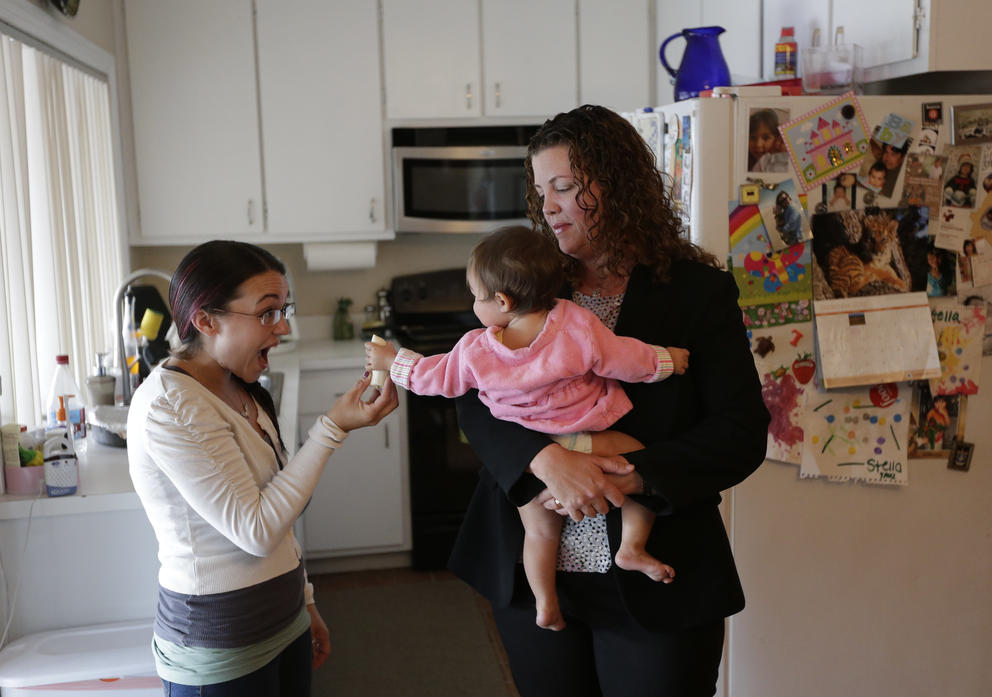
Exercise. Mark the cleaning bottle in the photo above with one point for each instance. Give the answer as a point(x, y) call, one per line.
point(786, 54)
point(65, 393)
point(132, 371)
point(61, 461)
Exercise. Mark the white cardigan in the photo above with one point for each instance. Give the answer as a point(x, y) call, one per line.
point(221, 508)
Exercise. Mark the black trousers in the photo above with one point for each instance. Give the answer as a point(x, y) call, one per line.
point(604, 652)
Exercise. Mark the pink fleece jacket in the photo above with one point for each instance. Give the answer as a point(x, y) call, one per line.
point(564, 382)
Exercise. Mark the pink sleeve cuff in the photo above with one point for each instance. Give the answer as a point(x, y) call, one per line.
point(403, 366)
point(665, 364)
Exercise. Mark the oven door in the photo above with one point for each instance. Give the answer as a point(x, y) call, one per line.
point(443, 474)
point(458, 189)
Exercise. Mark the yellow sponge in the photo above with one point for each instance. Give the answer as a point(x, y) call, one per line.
point(151, 322)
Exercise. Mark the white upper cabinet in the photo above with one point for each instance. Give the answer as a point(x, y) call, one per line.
point(263, 128)
point(432, 55)
point(436, 65)
point(529, 57)
point(195, 109)
point(318, 66)
point(616, 54)
point(897, 37)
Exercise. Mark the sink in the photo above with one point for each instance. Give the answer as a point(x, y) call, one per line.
point(272, 381)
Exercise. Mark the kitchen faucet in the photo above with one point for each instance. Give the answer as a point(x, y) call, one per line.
point(118, 316)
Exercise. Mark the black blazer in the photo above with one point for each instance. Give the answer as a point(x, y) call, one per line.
point(704, 432)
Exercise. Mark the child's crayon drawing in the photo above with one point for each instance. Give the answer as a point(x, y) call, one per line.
point(858, 434)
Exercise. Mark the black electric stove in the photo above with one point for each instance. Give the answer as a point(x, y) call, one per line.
point(431, 311)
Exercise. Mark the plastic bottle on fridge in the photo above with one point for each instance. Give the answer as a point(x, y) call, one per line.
point(65, 392)
point(786, 54)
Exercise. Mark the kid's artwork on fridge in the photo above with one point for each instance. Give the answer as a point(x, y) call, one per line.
point(858, 434)
point(766, 151)
point(783, 357)
point(747, 231)
point(934, 422)
point(826, 141)
point(867, 252)
point(783, 215)
point(959, 330)
point(772, 277)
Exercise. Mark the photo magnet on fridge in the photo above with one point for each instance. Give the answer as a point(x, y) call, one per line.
point(783, 215)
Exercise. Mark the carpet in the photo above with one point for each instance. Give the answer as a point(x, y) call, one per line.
point(409, 639)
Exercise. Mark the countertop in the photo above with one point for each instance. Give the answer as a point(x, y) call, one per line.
point(104, 482)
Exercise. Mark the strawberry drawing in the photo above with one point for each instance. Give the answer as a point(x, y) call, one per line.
point(803, 368)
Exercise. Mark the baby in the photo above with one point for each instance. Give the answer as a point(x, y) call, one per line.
point(876, 176)
point(547, 364)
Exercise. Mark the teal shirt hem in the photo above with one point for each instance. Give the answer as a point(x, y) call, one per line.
point(197, 665)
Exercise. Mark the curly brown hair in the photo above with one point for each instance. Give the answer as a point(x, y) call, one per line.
point(633, 214)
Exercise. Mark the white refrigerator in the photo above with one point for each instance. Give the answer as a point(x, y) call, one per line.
point(852, 588)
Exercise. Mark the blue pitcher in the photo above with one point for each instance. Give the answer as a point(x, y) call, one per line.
point(703, 66)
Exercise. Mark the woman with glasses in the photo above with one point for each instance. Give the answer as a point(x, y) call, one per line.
point(236, 615)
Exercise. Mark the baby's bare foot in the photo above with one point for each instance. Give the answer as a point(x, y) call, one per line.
point(549, 617)
point(639, 560)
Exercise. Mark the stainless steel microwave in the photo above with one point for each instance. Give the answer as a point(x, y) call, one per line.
point(453, 187)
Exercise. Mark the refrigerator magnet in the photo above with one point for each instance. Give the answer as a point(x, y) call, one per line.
point(960, 457)
point(826, 141)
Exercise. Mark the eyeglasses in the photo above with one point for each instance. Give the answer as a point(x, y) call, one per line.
point(267, 318)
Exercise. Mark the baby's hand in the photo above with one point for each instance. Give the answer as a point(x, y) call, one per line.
point(379, 356)
point(680, 359)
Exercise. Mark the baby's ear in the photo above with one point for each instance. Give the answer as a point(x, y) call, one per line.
point(503, 301)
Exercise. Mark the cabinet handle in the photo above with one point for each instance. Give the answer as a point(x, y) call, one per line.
point(386, 432)
point(251, 212)
point(498, 99)
point(468, 95)
point(839, 36)
point(372, 210)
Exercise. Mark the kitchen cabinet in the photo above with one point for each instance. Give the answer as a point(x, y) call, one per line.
point(897, 37)
point(451, 59)
point(320, 100)
point(361, 504)
point(739, 43)
point(616, 53)
point(195, 110)
point(257, 121)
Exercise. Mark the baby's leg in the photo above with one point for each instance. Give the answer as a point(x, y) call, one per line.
point(632, 555)
point(542, 531)
point(637, 520)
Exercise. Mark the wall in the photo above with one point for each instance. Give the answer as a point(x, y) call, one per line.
point(317, 291)
point(94, 21)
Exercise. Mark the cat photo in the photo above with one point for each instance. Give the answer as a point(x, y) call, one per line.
point(875, 251)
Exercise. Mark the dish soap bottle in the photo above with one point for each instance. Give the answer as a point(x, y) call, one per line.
point(343, 328)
